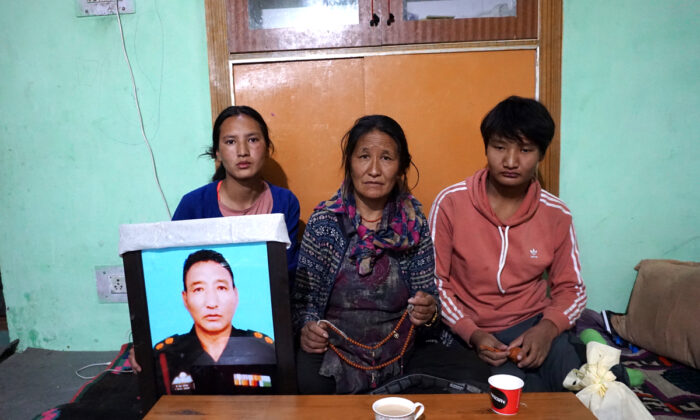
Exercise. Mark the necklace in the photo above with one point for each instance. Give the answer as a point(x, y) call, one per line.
point(371, 221)
point(394, 333)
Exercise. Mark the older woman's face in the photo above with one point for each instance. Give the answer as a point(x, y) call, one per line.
point(374, 167)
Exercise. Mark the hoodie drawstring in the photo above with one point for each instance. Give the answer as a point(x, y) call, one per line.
point(504, 252)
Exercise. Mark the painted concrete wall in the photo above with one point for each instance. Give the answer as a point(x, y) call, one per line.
point(630, 142)
point(73, 164)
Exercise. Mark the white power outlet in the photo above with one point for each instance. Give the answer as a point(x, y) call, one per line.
point(111, 284)
point(103, 7)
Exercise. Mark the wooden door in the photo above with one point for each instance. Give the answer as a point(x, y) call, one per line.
point(308, 106)
point(439, 100)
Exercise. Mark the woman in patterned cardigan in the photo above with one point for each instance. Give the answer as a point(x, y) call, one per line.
point(365, 272)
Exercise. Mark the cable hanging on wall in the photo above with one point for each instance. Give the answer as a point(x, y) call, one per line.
point(138, 109)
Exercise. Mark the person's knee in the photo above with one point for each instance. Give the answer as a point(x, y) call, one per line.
point(509, 368)
point(455, 363)
point(309, 380)
point(562, 358)
point(564, 352)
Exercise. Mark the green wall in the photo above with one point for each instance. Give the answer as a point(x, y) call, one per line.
point(630, 168)
point(73, 164)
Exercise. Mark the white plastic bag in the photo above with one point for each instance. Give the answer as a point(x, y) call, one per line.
point(607, 398)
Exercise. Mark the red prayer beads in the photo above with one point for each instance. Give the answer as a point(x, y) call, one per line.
point(376, 346)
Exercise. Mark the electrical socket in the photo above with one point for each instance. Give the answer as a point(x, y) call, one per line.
point(111, 284)
point(117, 284)
point(103, 7)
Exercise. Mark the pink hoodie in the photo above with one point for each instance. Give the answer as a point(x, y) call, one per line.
point(490, 274)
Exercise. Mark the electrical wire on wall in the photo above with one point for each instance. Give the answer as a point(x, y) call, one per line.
point(138, 108)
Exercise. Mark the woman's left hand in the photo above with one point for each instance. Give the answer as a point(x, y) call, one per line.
point(424, 308)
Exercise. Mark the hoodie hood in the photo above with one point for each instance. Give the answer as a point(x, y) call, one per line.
point(476, 185)
point(480, 199)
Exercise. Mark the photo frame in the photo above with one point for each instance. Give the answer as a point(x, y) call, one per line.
point(186, 281)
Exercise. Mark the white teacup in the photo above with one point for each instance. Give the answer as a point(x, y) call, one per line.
point(396, 408)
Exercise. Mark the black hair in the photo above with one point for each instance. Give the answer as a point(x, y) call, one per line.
point(234, 111)
point(517, 118)
point(201, 256)
point(388, 126)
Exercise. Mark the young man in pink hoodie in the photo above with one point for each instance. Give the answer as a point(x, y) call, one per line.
point(507, 264)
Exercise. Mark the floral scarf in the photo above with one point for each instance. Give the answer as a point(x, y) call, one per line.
point(399, 229)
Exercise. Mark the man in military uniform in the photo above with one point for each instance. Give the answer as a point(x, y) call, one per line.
point(200, 361)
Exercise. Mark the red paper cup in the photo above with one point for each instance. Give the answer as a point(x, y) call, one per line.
point(505, 393)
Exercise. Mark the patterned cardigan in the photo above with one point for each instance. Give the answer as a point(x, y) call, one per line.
point(322, 250)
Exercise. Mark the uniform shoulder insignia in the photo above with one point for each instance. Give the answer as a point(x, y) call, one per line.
point(260, 335)
point(252, 333)
point(165, 342)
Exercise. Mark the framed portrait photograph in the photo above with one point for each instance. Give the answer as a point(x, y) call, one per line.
point(209, 306)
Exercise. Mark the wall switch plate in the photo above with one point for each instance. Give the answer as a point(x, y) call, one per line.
point(103, 7)
point(111, 284)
